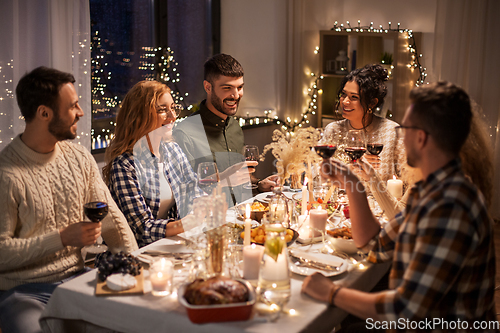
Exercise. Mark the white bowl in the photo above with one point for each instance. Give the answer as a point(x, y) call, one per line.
point(342, 245)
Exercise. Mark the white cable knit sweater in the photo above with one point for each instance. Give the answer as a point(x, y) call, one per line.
point(41, 194)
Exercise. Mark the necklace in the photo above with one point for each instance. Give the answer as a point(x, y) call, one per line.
point(364, 127)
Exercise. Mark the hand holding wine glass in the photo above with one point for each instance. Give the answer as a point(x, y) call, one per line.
point(355, 145)
point(251, 154)
point(96, 211)
point(374, 147)
point(208, 176)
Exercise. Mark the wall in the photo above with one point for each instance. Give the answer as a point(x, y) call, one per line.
point(275, 40)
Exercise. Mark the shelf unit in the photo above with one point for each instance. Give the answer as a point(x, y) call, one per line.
point(364, 48)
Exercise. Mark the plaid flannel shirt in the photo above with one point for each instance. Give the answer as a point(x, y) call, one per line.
point(442, 252)
point(135, 186)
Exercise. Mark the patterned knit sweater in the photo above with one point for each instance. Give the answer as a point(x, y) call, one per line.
point(41, 194)
point(392, 158)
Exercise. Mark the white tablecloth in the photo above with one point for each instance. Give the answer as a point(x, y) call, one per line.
point(74, 308)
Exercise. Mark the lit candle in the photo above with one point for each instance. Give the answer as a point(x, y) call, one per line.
point(305, 197)
point(317, 220)
point(161, 276)
point(304, 230)
point(252, 256)
point(395, 187)
point(248, 226)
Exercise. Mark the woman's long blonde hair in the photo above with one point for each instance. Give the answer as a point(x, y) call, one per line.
point(136, 118)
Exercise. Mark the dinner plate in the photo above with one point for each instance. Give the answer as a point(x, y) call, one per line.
point(318, 257)
point(266, 196)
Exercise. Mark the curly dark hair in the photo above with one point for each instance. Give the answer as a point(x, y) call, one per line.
point(370, 80)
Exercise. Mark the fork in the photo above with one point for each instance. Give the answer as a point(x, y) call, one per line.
point(301, 262)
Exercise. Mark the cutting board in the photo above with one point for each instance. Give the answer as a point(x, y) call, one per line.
point(101, 289)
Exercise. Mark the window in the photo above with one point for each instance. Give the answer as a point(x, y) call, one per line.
point(129, 39)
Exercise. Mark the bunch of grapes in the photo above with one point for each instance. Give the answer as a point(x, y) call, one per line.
point(118, 263)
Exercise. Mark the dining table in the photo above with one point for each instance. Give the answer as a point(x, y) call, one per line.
point(75, 307)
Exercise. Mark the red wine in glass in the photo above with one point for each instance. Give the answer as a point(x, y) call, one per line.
point(325, 151)
point(375, 148)
point(355, 153)
point(207, 182)
point(95, 210)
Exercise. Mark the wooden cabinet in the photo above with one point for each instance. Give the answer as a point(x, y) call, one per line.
point(365, 48)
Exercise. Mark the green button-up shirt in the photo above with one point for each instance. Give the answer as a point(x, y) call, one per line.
point(205, 137)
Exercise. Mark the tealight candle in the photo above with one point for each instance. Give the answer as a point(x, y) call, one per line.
point(248, 226)
point(161, 274)
point(395, 187)
point(252, 256)
point(317, 220)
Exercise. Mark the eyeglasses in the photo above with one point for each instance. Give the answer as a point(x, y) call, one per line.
point(400, 130)
point(175, 109)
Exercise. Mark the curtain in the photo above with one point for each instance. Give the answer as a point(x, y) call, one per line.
point(52, 33)
point(466, 52)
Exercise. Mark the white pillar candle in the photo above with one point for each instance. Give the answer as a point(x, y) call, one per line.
point(305, 198)
point(248, 226)
point(252, 256)
point(395, 187)
point(317, 220)
point(304, 230)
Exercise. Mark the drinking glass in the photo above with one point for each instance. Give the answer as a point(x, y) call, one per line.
point(374, 145)
point(208, 176)
point(355, 145)
point(251, 154)
point(96, 211)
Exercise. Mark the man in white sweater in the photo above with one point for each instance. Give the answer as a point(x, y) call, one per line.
point(45, 180)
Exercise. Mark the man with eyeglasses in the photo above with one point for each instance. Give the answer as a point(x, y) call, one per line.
point(218, 136)
point(441, 246)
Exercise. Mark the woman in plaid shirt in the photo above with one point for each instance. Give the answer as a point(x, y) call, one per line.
point(147, 173)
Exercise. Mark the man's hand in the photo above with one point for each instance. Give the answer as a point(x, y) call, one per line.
point(338, 172)
point(268, 184)
point(238, 174)
point(80, 234)
point(318, 286)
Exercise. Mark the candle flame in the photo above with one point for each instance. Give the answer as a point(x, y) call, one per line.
point(248, 211)
point(319, 208)
point(305, 181)
point(394, 177)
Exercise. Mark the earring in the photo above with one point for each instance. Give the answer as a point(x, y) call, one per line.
point(370, 110)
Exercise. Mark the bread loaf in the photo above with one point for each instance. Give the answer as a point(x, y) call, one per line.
point(216, 290)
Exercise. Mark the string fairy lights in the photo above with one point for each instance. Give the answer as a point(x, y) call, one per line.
point(313, 92)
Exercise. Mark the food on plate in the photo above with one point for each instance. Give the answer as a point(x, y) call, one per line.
point(344, 232)
point(118, 263)
point(329, 206)
point(216, 290)
point(258, 235)
point(119, 281)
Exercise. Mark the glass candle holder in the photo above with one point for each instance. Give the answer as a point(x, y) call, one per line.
point(161, 275)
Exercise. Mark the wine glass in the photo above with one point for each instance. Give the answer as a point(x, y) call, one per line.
point(355, 145)
point(208, 176)
point(251, 154)
point(374, 145)
point(96, 211)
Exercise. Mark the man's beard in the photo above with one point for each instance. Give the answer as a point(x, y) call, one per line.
point(60, 130)
point(218, 104)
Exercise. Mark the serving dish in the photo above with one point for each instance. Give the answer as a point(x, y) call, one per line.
point(341, 244)
point(200, 314)
point(294, 238)
point(256, 215)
